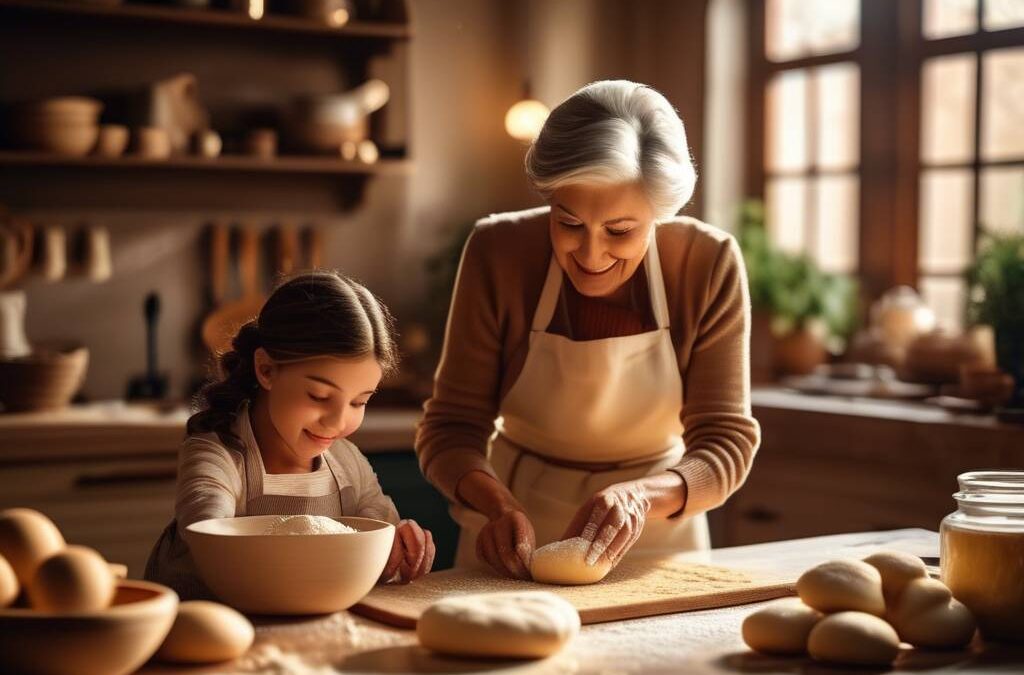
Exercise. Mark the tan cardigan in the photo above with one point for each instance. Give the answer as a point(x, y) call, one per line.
point(500, 278)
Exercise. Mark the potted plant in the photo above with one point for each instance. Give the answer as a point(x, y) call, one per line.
point(996, 298)
point(810, 312)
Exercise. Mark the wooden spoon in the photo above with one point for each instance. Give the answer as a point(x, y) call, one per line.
point(223, 323)
point(313, 243)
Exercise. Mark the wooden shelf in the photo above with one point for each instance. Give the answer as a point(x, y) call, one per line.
point(231, 163)
point(213, 18)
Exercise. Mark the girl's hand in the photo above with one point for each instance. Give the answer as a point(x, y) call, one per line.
point(611, 520)
point(412, 554)
point(506, 543)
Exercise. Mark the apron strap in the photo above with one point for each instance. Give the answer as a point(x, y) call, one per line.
point(655, 281)
point(346, 493)
point(548, 297)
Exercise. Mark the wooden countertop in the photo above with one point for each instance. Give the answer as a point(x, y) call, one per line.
point(116, 428)
point(780, 398)
point(705, 642)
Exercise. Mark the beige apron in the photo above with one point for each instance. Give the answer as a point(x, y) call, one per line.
point(585, 415)
point(170, 562)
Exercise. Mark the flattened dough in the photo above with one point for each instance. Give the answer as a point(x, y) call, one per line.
point(525, 624)
point(564, 563)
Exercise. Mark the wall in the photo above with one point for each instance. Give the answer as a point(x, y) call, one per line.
point(467, 61)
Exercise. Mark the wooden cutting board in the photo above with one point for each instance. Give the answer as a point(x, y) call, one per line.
point(633, 589)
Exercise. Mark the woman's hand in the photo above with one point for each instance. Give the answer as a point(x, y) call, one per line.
point(506, 543)
point(412, 553)
point(612, 520)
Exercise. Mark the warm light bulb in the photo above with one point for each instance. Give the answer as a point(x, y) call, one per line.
point(339, 18)
point(524, 120)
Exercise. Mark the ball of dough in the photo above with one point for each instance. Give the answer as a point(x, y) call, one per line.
point(926, 615)
point(564, 562)
point(9, 587)
point(854, 638)
point(76, 579)
point(206, 632)
point(897, 570)
point(27, 538)
point(780, 628)
point(842, 585)
point(527, 624)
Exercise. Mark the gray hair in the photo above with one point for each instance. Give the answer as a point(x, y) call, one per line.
point(615, 131)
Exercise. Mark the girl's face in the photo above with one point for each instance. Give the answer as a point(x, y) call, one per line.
point(599, 234)
point(314, 402)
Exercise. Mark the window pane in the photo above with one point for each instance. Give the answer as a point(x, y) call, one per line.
point(946, 232)
point(798, 28)
point(947, 109)
point(946, 296)
point(1002, 122)
point(835, 234)
point(1002, 199)
point(945, 18)
point(786, 213)
point(837, 92)
point(786, 121)
point(1003, 14)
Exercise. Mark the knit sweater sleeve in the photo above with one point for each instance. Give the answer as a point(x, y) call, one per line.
point(451, 440)
point(720, 434)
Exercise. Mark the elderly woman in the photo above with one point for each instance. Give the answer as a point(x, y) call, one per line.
point(594, 380)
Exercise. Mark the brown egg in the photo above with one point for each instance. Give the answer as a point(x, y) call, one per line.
point(855, 639)
point(206, 632)
point(27, 537)
point(9, 586)
point(76, 579)
point(897, 569)
point(781, 627)
point(842, 585)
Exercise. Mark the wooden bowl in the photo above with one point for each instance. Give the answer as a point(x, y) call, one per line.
point(289, 574)
point(46, 379)
point(71, 138)
point(113, 641)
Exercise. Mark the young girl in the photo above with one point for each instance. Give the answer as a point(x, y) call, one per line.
point(269, 438)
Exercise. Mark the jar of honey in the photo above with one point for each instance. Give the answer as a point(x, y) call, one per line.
point(982, 554)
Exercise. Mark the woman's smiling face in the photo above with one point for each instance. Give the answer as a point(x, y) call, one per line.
point(599, 234)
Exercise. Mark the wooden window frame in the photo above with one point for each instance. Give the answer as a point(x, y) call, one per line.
point(890, 56)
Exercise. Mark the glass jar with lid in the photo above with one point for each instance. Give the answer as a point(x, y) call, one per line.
point(983, 551)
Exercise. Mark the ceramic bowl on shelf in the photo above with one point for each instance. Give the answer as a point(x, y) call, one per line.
point(112, 641)
point(289, 574)
point(67, 125)
point(46, 379)
point(112, 140)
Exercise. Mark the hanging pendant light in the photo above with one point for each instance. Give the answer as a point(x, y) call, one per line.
point(524, 119)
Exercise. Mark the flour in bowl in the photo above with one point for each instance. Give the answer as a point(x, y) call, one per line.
point(306, 525)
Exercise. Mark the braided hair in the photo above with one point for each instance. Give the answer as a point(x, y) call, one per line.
point(320, 313)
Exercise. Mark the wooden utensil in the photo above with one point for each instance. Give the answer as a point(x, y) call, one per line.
point(633, 589)
point(313, 246)
point(222, 324)
point(286, 250)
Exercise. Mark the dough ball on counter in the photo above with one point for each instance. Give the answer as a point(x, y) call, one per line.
point(304, 524)
point(76, 579)
point(854, 638)
point(842, 585)
point(27, 538)
point(780, 628)
point(526, 624)
point(206, 632)
point(564, 562)
point(897, 570)
point(9, 587)
point(926, 615)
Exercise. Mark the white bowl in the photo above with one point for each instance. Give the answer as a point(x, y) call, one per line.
point(289, 574)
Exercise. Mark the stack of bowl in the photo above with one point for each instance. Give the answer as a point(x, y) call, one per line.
point(67, 125)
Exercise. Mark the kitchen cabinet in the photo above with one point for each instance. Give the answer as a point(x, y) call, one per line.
point(829, 465)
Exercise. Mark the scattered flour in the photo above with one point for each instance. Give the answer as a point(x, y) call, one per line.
point(306, 525)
